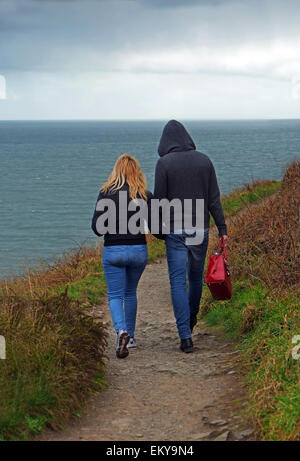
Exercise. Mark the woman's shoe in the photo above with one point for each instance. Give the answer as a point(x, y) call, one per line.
point(132, 343)
point(123, 339)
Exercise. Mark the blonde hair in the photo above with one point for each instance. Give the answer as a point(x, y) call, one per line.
point(127, 170)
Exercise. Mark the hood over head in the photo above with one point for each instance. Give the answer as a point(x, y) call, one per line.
point(175, 138)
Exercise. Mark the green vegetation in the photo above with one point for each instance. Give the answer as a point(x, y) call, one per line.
point(91, 287)
point(250, 193)
point(156, 249)
point(232, 204)
point(264, 315)
point(55, 350)
point(263, 328)
point(56, 342)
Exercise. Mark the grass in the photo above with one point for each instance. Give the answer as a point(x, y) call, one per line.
point(91, 287)
point(56, 342)
point(264, 315)
point(55, 350)
point(263, 328)
point(232, 204)
point(249, 194)
point(156, 249)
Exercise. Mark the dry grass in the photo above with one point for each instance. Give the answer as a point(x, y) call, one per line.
point(251, 316)
point(264, 314)
point(265, 238)
point(55, 349)
point(66, 269)
point(55, 342)
point(55, 346)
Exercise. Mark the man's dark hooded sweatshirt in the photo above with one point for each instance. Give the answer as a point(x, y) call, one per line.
point(184, 173)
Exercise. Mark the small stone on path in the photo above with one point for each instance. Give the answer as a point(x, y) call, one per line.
point(222, 437)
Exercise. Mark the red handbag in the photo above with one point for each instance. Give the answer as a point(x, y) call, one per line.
point(218, 274)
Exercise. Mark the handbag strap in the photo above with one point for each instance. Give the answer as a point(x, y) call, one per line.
point(222, 247)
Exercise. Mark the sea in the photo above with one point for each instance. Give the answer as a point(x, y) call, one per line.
point(51, 172)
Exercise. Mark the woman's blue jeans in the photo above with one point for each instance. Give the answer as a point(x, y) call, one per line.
point(185, 261)
point(123, 266)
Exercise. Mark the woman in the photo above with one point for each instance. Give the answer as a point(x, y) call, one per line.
point(125, 254)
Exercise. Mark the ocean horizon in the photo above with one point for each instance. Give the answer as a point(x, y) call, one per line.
point(52, 171)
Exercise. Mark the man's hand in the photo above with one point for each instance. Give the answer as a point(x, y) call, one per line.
point(225, 239)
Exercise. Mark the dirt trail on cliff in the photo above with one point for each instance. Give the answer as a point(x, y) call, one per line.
point(159, 393)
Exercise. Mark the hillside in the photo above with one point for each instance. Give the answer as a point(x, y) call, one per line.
point(264, 314)
point(48, 377)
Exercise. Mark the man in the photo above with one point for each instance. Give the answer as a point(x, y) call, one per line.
point(184, 173)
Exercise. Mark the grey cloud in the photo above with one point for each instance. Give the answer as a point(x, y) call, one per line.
point(184, 3)
point(76, 35)
point(149, 58)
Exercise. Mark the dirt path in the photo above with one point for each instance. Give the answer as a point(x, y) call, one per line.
point(159, 393)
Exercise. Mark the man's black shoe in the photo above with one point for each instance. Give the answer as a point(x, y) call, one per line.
point(187, 345)
point(193, 322)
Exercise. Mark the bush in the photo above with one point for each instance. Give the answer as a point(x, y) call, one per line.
point(55, 349)
point(263, 315)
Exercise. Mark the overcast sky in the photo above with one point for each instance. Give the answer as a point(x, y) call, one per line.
point(149, 59)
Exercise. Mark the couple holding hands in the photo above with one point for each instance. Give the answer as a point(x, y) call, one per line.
point(185, 180)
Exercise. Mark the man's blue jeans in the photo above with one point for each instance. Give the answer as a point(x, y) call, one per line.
point(123, 266)
point(185, 260)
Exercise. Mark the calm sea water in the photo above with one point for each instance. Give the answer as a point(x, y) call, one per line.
point(51, 172)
